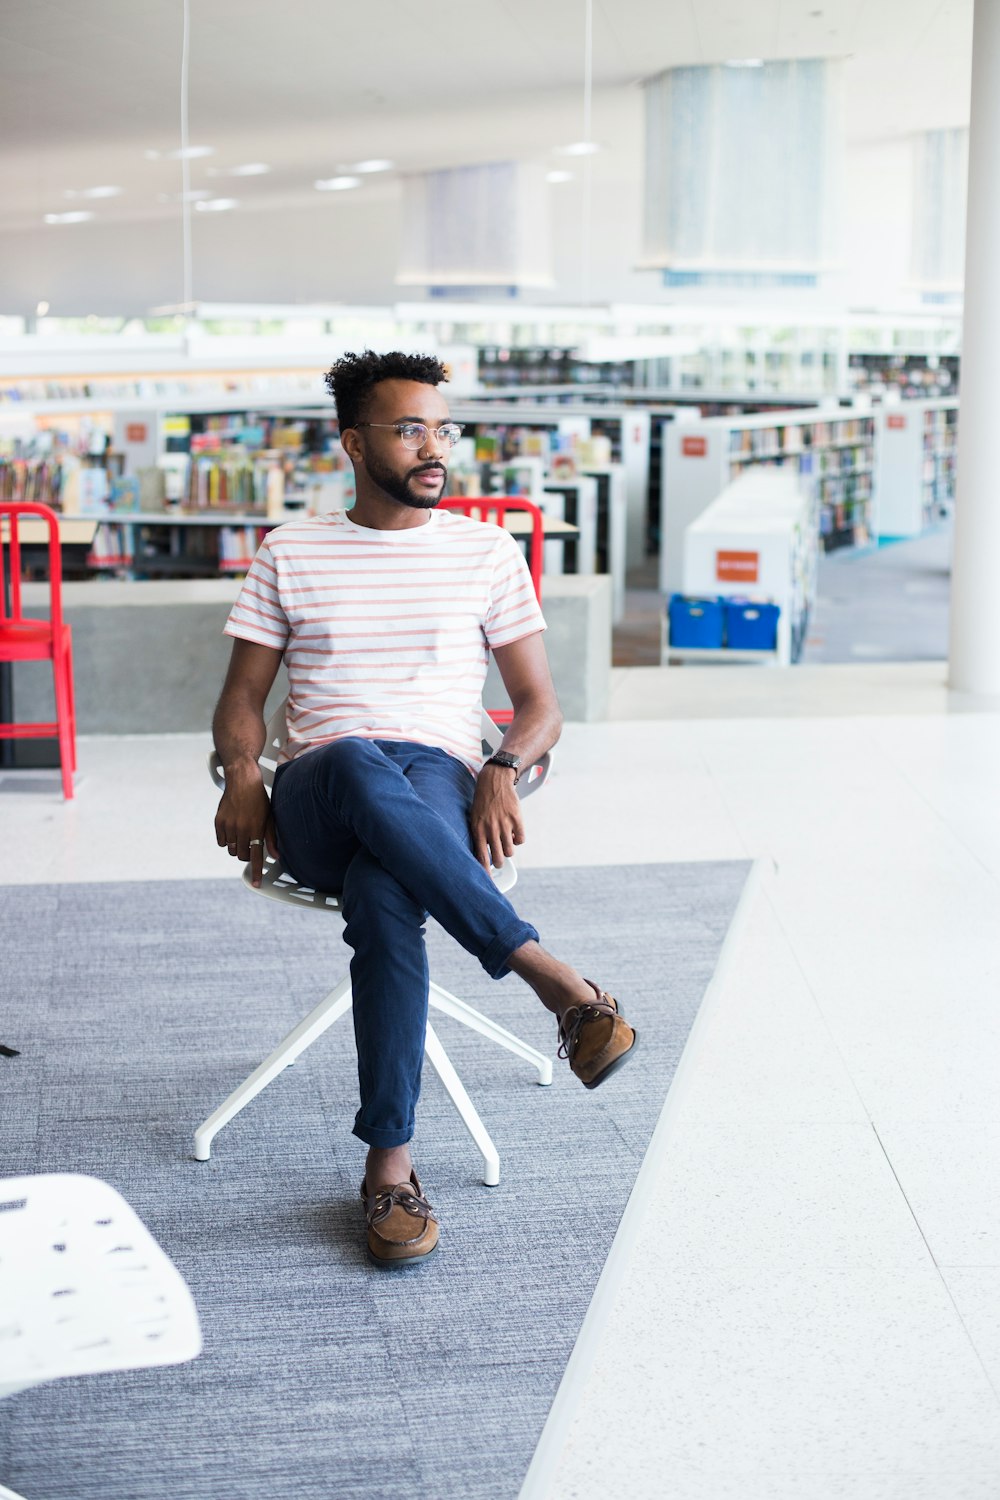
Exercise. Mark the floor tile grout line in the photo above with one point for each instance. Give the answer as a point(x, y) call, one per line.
point(771, 861)
point(924, 799)
point(817, 1006)
point(716, 785)
point(768, 897)
point(937, 1266)
point(538, 1480)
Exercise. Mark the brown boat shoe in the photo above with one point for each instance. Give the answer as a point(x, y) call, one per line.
point(401, 1223)
point(595, 1038)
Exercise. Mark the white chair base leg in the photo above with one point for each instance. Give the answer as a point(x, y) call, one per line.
point(337, 1002)
point(315, 1023)
point(476, 1021)
point(6, 1494)
point(470, 1117)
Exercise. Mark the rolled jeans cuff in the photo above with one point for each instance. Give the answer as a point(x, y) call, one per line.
point(380, 1139)
point(494, 960)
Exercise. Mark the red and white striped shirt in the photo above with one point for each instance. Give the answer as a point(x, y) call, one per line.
point(386, 634)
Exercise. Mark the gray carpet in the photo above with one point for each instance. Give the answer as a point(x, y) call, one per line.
point(136, 1007)
point(886, 604)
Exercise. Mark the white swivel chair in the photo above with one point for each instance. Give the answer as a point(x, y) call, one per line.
point(84, 1287)
point(279, 885)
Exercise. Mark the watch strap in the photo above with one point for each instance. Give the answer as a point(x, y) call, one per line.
point(507, 760)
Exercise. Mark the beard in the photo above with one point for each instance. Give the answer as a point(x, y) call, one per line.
point(397, 486)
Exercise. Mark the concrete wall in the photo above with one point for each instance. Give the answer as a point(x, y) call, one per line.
point(150, 658)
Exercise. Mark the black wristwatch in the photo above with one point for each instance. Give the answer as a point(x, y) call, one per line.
point(505, 758)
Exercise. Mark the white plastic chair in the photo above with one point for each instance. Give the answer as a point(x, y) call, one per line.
point(279, 885)
point(84, 1287)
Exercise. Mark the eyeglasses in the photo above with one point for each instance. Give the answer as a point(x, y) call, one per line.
point(415, 434)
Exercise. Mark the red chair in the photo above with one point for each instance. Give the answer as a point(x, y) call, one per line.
point(494, 508)
point(24, 639)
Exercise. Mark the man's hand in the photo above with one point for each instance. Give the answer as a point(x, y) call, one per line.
point(244, 823)
point(495, 818)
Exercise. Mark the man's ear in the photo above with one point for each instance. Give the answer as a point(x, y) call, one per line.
point(351, 444)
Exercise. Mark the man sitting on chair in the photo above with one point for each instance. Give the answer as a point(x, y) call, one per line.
point(385, 617)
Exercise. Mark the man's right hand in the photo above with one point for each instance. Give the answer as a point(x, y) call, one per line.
point(244, 823)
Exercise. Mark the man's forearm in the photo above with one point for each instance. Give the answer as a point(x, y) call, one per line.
point(239, 731)
point(534, 729)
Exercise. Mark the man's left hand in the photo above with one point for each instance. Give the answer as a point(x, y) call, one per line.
point(495, 819)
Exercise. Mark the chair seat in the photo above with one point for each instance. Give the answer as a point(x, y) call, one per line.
point(64, 1234)
point(24, 639)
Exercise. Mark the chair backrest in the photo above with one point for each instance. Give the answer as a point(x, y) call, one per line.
point(493, 509)
point(11, 515)
point(84, 1287)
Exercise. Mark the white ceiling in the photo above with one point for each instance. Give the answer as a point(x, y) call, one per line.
point(308, 86)
point(87, 86)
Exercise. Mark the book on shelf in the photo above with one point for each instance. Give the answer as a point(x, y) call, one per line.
point(111, 547)
point(238, 547)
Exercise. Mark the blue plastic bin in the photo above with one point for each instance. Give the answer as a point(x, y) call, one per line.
point(695, 622)
point(751, 627)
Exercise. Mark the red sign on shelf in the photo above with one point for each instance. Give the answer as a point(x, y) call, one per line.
point(737, 567)
point(136, 432)
point(694, 447)
point(896, 420)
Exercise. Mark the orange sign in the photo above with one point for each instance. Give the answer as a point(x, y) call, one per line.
point(136, 432)
point(694, 447)
point(896, 419)
point(737, 567)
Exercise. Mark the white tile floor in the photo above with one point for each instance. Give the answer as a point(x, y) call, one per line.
point(810, 1298)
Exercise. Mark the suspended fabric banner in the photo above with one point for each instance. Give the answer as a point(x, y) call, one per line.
point(743, 168)
point(478, 226)
point(941, 170)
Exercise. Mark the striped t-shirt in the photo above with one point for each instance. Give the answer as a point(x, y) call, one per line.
point(386, 634)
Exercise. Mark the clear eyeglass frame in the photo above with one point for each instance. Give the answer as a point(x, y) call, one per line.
point(414, 434)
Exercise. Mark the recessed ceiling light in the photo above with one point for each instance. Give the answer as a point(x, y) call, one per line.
point(558, 176)
point(193, 195)
point(376, 164)
point(248, 169)
point(74, 216)
point(185, 153)
point(42, 309)
point(336, 184)
point(745, 62)
point(216, 205)
point(94, 192)
point(579, 148)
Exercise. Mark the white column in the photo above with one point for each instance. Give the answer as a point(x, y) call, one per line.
point(975, 583)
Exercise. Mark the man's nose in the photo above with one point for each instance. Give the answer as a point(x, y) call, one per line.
point(432, 446)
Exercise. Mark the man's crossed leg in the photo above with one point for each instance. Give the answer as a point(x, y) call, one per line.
point(385, 823)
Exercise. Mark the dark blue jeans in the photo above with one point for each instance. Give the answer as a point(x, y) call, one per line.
point(385, 824)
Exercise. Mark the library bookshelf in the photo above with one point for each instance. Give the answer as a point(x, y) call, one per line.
point(833, 451)
point(916, 455)
point(765, 519)
point(595, 434)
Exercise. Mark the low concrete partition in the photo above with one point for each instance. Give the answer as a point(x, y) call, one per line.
point(150, 657)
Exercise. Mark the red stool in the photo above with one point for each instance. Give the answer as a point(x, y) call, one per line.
point(23, 639)
point(494, 508)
